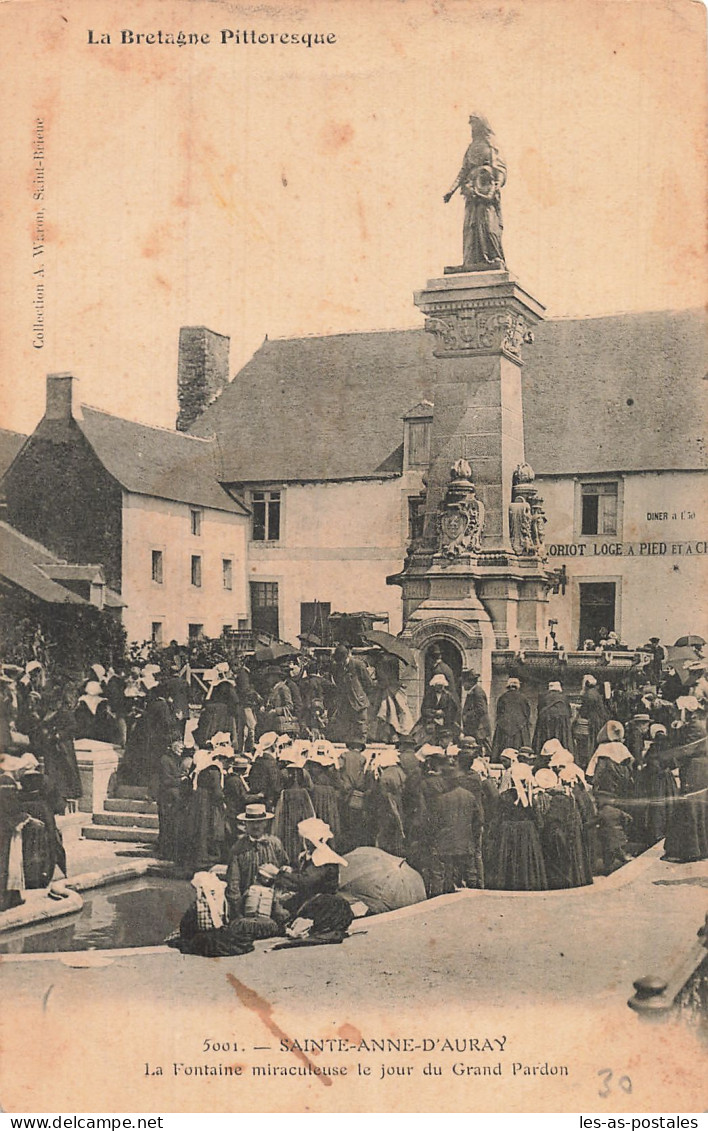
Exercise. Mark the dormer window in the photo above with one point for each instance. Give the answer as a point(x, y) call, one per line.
point(417, 427)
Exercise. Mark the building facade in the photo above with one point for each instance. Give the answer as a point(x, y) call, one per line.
point(146, 504)
point(327, 440)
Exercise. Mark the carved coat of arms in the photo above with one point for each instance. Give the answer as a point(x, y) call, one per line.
point(461, 515)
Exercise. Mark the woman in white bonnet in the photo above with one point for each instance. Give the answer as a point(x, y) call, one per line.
point(516, 856)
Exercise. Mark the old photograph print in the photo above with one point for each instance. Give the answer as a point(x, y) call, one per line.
point(353, 543)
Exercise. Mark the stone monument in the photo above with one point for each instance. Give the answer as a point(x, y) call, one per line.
point(477, 576)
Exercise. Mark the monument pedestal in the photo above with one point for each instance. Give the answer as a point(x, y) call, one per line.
point(97, 762)
point(477, 579)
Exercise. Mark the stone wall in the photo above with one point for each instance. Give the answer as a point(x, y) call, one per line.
point(202, 373)
point(59, 494)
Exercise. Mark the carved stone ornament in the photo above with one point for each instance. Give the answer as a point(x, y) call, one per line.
point(460, 519)
point(520, 531)
point(460, 329)
point(527, 518)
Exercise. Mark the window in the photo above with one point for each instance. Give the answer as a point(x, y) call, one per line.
point(227, 573)
point(226, 629)
point(156, 632)
point(416, 516)
point(196, 570)
point(599, 508)
point(195, 520)
point(157, 566)
point(418, 443)
point(264, 607)
point(266, 516)
point(196, 631)
point(314, 617)
point(597, 610)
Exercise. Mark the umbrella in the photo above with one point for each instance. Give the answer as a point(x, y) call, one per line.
point(275, 652)
point(381, 881)
point(689, 642)
point(391, 644)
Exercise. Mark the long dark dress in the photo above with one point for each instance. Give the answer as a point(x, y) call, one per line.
point(169, 807)
point(225, 692)
point(160, 732)
point(354, 813)
point(553, 721)
point(35, 803)
point(387, 808)
point(11, 813)
point(294, 805)
point(564, 853)
point(133, 767)
point(592, 716)
point(513, 722)
point(325, 798)
point(517, 863)
point(687, 831)
point(656, 785)
point(215, 718)
point(205, 821)
point(264, 778)
point(61, 769)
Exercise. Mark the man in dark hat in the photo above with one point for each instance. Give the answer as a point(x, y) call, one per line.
point(439, 667)
point(475, 710)
point(458, 823)
point(353, 690)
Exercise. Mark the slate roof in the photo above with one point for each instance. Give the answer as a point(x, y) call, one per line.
point(157, 461)
point(21, 562)
point(10, 444)
point(332, 407)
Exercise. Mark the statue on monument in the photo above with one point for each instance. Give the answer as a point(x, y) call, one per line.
point(480, 180)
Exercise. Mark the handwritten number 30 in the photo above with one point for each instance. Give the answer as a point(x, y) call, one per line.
point(623, 1082)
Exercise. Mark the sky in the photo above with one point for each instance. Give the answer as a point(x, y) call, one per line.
point(284, 190)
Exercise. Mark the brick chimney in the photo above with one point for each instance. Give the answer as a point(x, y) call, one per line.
point(202, 373)
point(59, 396)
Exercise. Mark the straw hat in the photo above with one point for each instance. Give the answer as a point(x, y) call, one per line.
point(255, 812)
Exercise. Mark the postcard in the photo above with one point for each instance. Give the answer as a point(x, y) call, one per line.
point(364, 338)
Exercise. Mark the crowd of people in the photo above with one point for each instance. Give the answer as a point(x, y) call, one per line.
point(276, 775)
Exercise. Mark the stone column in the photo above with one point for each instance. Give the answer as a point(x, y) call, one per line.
point(480, 321)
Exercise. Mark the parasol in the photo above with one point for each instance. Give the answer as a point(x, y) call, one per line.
point(689, 642)
point(381, 881)
point(391, 644)
point(275, 652)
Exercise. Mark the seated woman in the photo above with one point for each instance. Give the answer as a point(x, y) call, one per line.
point(317, 870)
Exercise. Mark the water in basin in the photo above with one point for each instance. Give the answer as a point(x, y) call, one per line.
point(139, 912)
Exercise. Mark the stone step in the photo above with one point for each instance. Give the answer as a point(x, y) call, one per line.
point(127, 820)
point(132, 792)
point(115, 832)
point(128, 805)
